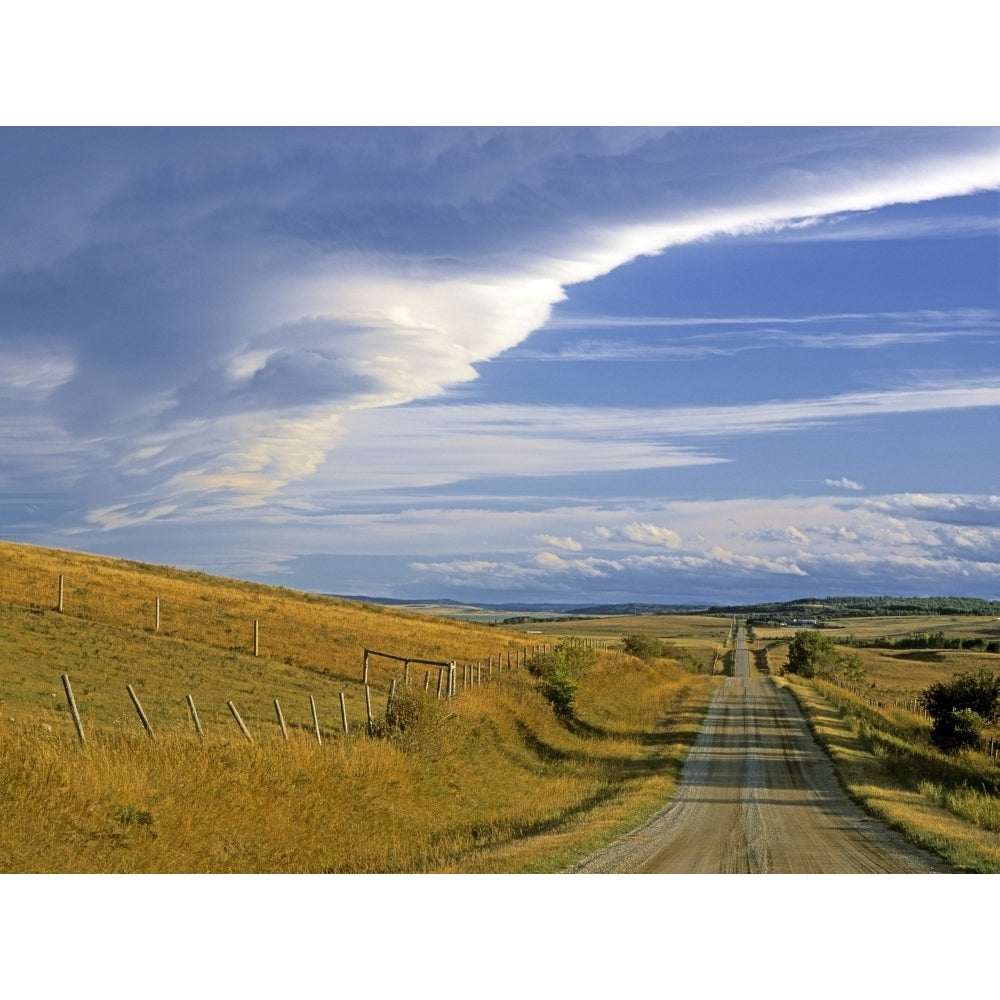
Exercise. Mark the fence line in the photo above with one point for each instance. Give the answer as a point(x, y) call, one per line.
point(447, 685)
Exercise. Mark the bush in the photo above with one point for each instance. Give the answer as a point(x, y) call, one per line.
point(645, 647)
point(960, 707)
point(956, 730)
point(558, 671)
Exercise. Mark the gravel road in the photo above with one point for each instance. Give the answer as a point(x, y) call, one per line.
point(758, 794)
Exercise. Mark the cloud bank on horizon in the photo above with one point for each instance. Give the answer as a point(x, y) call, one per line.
point(603, 364)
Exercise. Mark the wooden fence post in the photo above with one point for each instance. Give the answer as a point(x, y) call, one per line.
point(364, 672)
point(281, 720)
point(312, 705)
point(343, 711)
point(61, 579)
point(388, 701)
point(194, 715)
point(406, 673)
point(256, 637)
point(72, 704)
point(239, 722)
point(368, 708)
point(440, 682)
point(142, 714)
point(157, 629)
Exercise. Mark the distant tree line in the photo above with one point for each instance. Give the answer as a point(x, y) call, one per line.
point(861, 607)
point(929, 640)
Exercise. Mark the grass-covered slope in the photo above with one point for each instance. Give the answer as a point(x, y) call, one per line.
point(491, 780)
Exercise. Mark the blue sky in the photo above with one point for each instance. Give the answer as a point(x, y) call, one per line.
point(577, 365)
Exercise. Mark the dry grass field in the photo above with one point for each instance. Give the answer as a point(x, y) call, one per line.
point(488, 781)
point(705, 636)
point(880, 745)
point(901, 674)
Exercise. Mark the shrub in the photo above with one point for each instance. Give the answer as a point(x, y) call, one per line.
point(957, 729)
point(558, 671)
point(960, 707)
point(645, 647)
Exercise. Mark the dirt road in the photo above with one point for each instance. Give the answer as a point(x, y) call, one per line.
point(757, 794)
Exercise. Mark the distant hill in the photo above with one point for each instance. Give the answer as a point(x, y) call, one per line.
point(820, 608)
point(826, 608)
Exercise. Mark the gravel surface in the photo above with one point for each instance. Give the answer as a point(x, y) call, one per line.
point(759, 795)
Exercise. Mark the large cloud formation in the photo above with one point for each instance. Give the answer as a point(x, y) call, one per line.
point(193, 322)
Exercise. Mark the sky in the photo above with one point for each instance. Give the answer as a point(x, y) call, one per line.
point(510, 365)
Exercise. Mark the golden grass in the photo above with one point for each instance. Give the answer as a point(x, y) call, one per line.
point(489, 781)
point(885, 767)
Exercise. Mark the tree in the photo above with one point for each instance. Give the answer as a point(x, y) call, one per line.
point(961, 707)
point(812, 654)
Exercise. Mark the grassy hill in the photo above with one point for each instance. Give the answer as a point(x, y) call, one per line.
point(489, 780)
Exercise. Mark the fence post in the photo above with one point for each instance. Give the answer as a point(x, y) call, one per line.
point(142, 714)
point(364, 672)
point(281, 720)
point(427, 680)
point(406, 673)
point(343, 711)
point(388, 701)
point(368, 708)
point(194, 715)
point(61, 579)
point(157, 629)
point(72, 702)
point(440, 682)
point(312, 705)
point(256, 637)
point(239, 722)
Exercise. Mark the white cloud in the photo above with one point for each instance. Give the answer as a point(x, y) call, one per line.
point(844, 484)
point(855, 544)
point(407, 313)
point(652, 534)
point(568, 544)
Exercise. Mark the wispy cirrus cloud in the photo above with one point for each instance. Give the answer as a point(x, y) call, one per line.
point(692, 338)
point(289, 279)
point(844, 484)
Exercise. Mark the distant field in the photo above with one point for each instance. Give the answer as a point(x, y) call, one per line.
point(903, 674)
